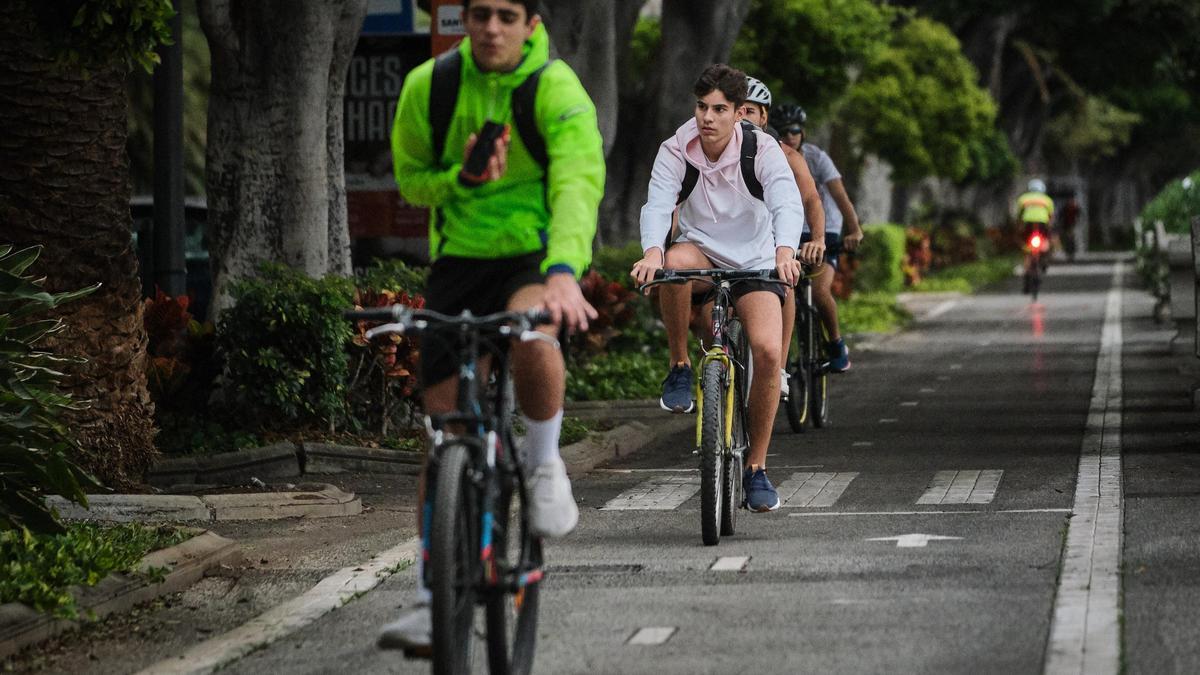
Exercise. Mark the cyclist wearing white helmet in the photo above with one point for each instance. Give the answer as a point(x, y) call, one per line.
point(757, 110)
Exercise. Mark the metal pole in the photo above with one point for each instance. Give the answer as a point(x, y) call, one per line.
point(170, 271)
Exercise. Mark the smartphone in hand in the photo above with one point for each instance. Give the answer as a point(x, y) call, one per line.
point(485, 147)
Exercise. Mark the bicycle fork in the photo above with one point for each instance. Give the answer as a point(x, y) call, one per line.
point(717, 354)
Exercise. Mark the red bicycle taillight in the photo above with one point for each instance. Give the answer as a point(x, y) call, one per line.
point(1035, 241)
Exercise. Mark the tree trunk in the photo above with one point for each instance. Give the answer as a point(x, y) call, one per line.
point(64, 183)
point(694, 34)
point(276, 183)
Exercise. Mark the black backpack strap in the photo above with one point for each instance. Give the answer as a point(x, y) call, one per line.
point(690, 175)
point(749, 152)
point(443, 96)
point(524, 101)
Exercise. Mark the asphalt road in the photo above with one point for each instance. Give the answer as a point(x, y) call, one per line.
point(961, 437)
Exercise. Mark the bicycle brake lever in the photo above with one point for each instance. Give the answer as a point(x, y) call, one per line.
point(532, 335)
point(384, 329)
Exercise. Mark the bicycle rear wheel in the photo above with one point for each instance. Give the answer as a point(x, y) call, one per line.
point(1034, 277)
point(512, 615)
point(454, 561)
point(796, 405)
point(731, 465)
point(818, 379)
point(712, 441)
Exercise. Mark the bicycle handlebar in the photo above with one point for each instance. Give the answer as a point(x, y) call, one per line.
point(713, 276)
point(406, 319)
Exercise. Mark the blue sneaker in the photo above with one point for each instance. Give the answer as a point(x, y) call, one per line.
point(677, 390)
point(760, 494)
point(839, 357)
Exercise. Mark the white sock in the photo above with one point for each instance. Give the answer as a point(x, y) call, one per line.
point(541, 440)
point(423, 594)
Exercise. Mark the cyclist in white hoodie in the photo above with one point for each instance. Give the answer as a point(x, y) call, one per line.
point(724, 223)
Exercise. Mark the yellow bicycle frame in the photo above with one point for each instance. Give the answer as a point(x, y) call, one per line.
point(716, 354)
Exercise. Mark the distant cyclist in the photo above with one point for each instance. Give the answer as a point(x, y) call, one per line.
point(1035, 210)
point(514, 236)
point(839, 215)
point(757, 110)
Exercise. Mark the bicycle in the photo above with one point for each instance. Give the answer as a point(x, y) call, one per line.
point(1036, 245)
point(723, 391)
point(808, 381)
point(475, 498)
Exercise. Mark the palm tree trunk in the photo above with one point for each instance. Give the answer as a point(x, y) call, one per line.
point(64, 183)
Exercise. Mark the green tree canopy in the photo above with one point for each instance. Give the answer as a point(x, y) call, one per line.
point(806, 50)
point(917, 104)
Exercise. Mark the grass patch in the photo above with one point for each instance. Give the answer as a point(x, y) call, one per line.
point(39, 569)
point(969, 277)
point(872, 313)
point(618, 376)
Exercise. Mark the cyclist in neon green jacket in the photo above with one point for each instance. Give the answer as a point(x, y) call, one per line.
point(514, 236)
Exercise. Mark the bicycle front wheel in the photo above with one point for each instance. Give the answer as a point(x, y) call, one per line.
point(818, 395)
point(712, 443)
point(512, 613)
point(454, 561)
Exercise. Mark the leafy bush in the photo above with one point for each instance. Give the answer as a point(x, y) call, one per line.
point(1176, 205)
point(617, 376)
point(614, 310)
point(614, 262)
point(393, 275)
point(880, 256)
point(969, 277)
point(33, 443)
point(284, 348)
point(382, 391)
point(182, 363)
point(871, 313)
point(39, 570)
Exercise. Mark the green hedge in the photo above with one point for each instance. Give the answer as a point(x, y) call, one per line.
point(1176, 205)
point(879, 259)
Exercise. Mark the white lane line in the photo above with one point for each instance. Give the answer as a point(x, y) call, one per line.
point(941, 309)
point(654, 635)
point(664, 493)
point(909, 404)
point(888, 420)
point(963, 512)
point(730, 563)
point(862, 444)
point(962, 487)
point(1085, 632)
point(330, 593)
point(814, 490)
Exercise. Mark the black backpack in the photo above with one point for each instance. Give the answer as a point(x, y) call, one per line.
point(443, 96)
point(749, 152)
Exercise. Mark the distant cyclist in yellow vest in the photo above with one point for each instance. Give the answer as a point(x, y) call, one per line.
point(1035, 210)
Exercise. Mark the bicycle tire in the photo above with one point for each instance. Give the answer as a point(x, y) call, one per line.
point(712, 441)
point(1035, 277)
point(454, 561)
point(731, 496)
point(512, 616)
point(796, 405)
point(818, 397)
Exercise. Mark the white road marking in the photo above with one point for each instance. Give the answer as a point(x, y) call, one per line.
point(913, 540)
point(814, 490)
point(862, 444)
point(908, 404)
point(962, 487)
point(652, 635)
point(1085, 632)
point(330, 593)
point(730, 563)
point(927, 390)
point(941, 309)
point(963, 512)
point(888, 420)
point(663, 493)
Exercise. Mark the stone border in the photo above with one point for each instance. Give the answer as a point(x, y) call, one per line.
point(21, 625)
point(622, 441)
point(321, 500)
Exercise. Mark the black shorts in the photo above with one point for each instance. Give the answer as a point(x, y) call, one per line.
point(739, 288)
point(481, 286)
point(833, 246)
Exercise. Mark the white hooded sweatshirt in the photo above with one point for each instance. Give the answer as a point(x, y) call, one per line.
point(733, 228)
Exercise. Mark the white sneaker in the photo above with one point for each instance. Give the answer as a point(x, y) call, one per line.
point(412, 631)
point(552, 510)
point(783, 384)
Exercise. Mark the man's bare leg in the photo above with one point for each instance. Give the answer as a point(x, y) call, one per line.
point(761, 315)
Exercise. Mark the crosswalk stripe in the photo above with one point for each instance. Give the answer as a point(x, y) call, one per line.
point(814, 490)
point(962, 487)
point(663, 493)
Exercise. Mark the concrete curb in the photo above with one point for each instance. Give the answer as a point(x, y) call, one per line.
point(622, 441)
point(325, 458)
point(21, 625)
point(318, 500)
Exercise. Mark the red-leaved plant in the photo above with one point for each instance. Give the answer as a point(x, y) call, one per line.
point(614, 309)
point(388, 362)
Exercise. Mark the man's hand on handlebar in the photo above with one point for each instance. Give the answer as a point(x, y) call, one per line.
point(813, 252)
point(644, 269)
point(787, 265)
point(566, 304)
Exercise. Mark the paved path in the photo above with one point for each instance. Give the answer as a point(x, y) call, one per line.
point(962, 513)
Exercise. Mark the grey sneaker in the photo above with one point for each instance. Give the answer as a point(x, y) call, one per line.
point(412, 632)
point(552, 509)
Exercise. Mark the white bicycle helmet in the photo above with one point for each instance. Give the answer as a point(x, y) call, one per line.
point(757, 92)
point(1036, 185)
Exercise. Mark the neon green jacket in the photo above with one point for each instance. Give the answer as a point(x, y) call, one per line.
point(1035, 207)
point(519, 213)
